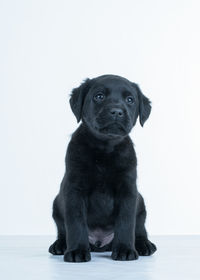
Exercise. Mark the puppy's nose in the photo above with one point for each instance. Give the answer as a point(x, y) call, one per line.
point(116, 112)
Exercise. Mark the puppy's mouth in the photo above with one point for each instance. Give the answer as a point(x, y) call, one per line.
point(113, 129)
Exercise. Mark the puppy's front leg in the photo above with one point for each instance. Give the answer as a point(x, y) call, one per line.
point(124, 233)
point(78, 249)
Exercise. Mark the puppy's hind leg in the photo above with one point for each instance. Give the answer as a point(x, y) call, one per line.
point(59, 246)
point(143, 246)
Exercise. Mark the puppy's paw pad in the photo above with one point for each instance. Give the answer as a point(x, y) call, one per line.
point(78, 255)
point(145, 247)
point(124, 254)
point(57, 248)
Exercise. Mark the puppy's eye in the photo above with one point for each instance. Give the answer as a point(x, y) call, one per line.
point(99, 97)
point(129, 100)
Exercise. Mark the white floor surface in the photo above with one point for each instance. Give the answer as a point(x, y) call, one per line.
point(27, 257)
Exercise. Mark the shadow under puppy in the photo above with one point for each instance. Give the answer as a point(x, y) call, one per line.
point(99, 207)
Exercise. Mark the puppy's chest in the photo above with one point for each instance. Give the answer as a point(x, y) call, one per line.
point(106, 170)
point(101, 171)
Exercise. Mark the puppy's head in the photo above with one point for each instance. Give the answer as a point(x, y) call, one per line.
point(109, 105)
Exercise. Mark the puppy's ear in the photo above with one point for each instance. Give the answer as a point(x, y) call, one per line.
point(144, 106)
point(77, 98)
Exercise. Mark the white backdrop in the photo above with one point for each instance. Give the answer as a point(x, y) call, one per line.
point(49, 47)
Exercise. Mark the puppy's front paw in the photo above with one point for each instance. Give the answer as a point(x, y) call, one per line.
point(123, 253)
point(57, 248)
point(145, 247)
point(78, 255)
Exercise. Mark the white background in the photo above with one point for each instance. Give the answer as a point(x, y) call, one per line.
point(49, 47)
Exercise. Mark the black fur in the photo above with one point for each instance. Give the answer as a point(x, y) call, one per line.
point(98, 207)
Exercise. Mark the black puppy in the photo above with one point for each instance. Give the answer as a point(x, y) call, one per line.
point(98, 207)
